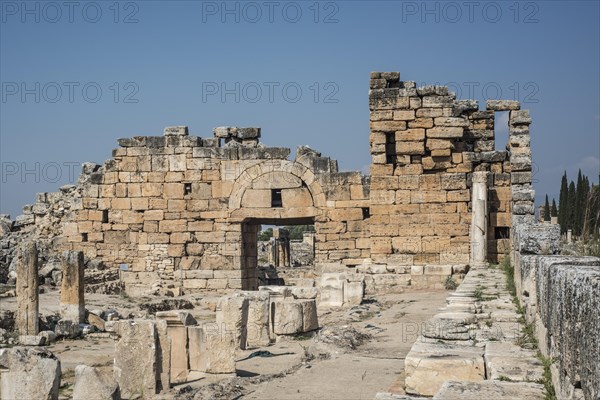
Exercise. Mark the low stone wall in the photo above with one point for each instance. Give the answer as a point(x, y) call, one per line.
point(561, 296)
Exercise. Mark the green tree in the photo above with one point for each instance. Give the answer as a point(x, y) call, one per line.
point(563, 204)
point(571, 207)
point(553, 209)
point(265, 235)
point(579, 205)
point(546, 210)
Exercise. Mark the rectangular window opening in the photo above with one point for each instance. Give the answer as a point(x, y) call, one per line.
point(187, 188)
point(501, 130)
point(84, 237)
point(366, 212)
point(104, 216)
point(502, 232)
point(276, 198)
point(390, 148)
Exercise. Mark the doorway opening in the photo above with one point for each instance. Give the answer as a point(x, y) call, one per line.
point(280, 251)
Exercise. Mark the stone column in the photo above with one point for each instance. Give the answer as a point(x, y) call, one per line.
point(27, 320)
point(72, 304)
point(479, 224)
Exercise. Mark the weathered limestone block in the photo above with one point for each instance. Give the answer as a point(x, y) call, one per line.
point(354, 292)
point(212, 351)
point(176, 131)
point(452, 390)
point(568, 300)
point(429, 365)
point(72, 304)
point(135, 366)
point(450, 326)
point(177, 322)
point(288, 317)
point(29, 373)
point(27, 319)
point(232, 316)
point(310, 320)
point(305, 292)
point(258, 318)
point(502, 105)
point(509, 361)
point(332, 290)
point(94, 384)
point(538, 238)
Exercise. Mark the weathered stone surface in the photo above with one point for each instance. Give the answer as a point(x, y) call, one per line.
point(507, 361)
point(332, 290)
point(232, 316)
point(450, 326)
point(212, 351)
point(429, 365)
point(257, 325)
point(29, 373)
point(27, 320)
point(176, 131)
point(354, 292)
point(310, 320)
point(32, 340)
point(96, 321)
point(288, 317)
point(72, 304)
point(304, 292)
point(453, 390)
point(538, 239)
point(93, 384)
point(502, 105)
point(135, 366)
point(568, 300)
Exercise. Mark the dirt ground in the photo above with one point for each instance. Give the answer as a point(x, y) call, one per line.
point(299, 367)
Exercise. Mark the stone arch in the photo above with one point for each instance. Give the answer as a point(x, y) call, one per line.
point(246, 179)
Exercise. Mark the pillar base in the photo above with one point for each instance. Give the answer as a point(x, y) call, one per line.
point(479, 265)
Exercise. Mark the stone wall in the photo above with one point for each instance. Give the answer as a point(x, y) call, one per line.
point(561, 297)
point(425, 145)
point(183, 210)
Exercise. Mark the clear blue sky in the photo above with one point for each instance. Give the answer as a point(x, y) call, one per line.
point(172, 55)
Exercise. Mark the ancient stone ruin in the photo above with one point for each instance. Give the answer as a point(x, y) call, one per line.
point(177, 217)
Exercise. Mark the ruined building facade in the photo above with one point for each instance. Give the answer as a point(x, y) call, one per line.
point(187, 210)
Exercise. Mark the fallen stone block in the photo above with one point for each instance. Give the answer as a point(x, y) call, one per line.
point(135, 366)
point(354, 293)
point(29, 373)
point(332, 290)
point(310, 319)
point(232, 316)
point(288, 318)
point(257, 327)
point(429, 365)
point(32, 340)
point(211, 351)
point(92, 384)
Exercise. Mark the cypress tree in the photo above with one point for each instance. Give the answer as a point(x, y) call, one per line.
point(547, 210)
point(579, 204)
point(553, 210)
point(563, 204)
point(571, 207)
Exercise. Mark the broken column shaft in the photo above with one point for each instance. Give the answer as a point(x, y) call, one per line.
point(72, 304)
point(27, 290)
